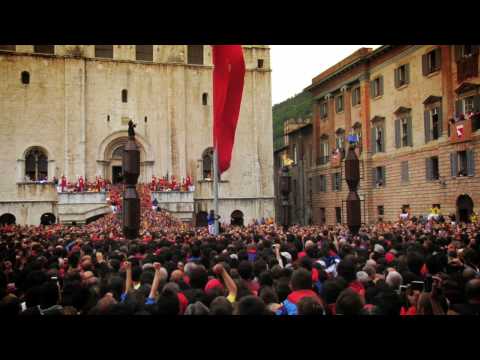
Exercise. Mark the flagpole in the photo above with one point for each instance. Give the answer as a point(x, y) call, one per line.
point(215, 188)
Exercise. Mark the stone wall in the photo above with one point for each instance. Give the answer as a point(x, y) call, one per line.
point(73, 110)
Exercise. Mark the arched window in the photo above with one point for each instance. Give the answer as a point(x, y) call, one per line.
point(195, 54)
point(36, 165)
point(205, 99)
point(7, 219)
point(236, 218)
point(124, 95)
point(47, 219)
point(118, 152)
point(207, 162)
point(25, 77)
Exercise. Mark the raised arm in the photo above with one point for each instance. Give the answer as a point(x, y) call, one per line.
point(277, 255)
point(229, 283)
point(156, 280)
point(128, 279)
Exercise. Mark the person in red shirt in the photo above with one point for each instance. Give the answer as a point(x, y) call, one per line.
point(63, 183)
point(81, 184)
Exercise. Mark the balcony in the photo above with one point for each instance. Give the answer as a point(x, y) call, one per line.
point(33, 191)
point(467, 67)
point(175, 201)
point(79, 207)
point(460, 130)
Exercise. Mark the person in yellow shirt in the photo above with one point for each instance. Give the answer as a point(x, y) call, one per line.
point(474, 217)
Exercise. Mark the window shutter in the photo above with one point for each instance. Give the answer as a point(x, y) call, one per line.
point(458, 52)
point(397, 133)
point(384, 175)
point(333, 182)
point(407, 73)
point(374, 177)
point(440, 120)
point(438, 58)
point(340, 181)
point(409, 131)
point(458, 107)
point(476, 103)
point(372, 88)
point(428, 168)
point(384, 138)
point(373, 140)
point(453, 164)
point(424, 65)
point(396, 77)
point(426, 124)
point(380, 90)
point(324, 180)
point(470, 163)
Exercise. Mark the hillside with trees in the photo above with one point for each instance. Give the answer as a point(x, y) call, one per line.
point(298, 106)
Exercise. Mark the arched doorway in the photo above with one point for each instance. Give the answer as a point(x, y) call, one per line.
point(116, 161)
point(110, 152)
point(7, 219)
point(47, 219)
point(464, 208)
point(236, 218)
point(201, 219)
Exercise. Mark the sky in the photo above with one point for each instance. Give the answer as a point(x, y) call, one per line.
point(294, 66)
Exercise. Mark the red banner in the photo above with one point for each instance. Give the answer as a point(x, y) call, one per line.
point(228, 80)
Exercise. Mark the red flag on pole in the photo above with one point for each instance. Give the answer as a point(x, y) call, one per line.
point(228, 79)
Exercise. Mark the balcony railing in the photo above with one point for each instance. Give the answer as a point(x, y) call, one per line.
point(460, 130)
point(467, 67)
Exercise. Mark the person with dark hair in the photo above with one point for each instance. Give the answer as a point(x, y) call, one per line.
point(310, 306)
point(349, 303)
point(301, 286)
point(251, 305)
point(221, 306)
point(246, 272)
point(472, 304)
point(331, 290)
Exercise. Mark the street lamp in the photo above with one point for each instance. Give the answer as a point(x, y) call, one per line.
point(131, 172)
point(352, 177)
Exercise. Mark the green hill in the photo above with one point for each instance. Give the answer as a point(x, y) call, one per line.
point(298, 106)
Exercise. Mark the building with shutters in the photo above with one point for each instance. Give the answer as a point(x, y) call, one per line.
point(297, 148)
point(64, 110)
point(415, 110)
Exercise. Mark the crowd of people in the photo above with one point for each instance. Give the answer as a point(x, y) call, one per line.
point(397, 269)
point(82, 185)
point(170, 183)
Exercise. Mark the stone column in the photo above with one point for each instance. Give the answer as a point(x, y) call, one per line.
point(51, 170)
point(20, 170)
point(448, 100)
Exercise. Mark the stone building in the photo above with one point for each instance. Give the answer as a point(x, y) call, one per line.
point(298, 142)
point(402, 102)
point(64, 110)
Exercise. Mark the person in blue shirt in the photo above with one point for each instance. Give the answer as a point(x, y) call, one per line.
point(211, 221)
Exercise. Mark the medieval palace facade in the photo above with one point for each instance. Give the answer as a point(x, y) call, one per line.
point(64, 110)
